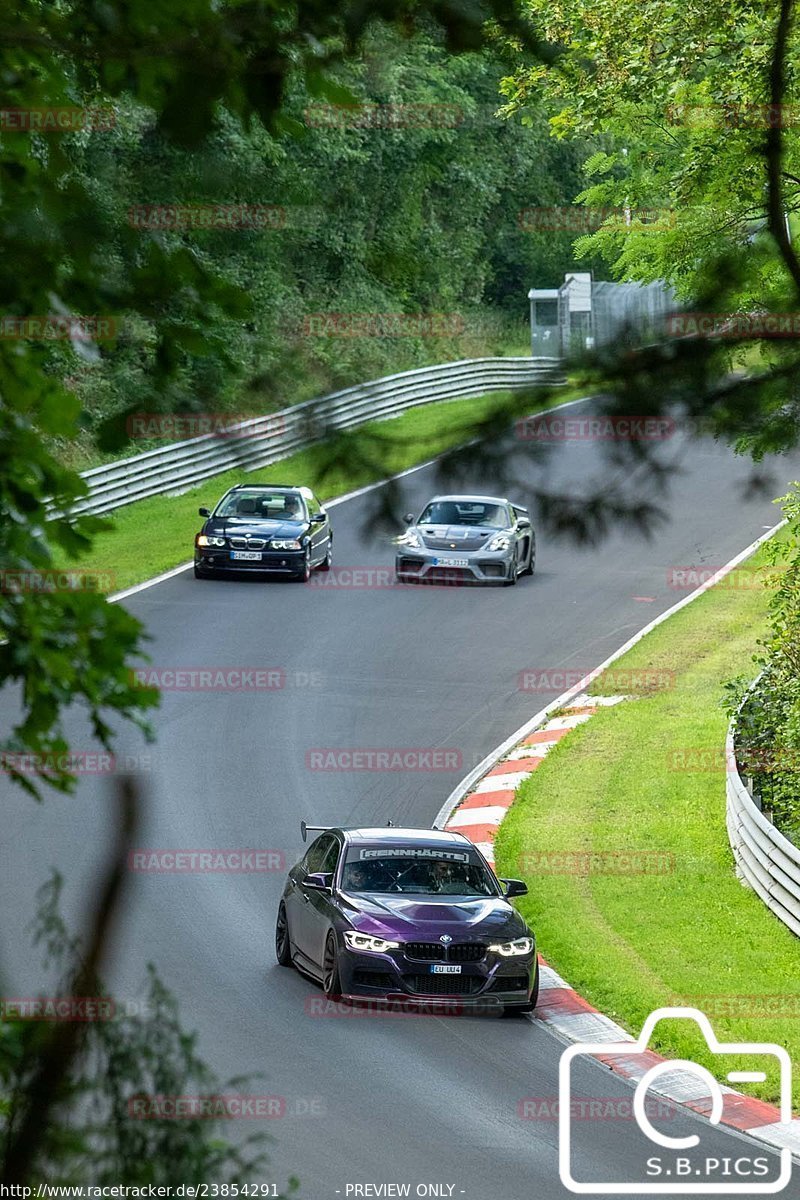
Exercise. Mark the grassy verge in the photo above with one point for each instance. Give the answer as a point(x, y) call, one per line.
point(153, 535)
point(692, 934)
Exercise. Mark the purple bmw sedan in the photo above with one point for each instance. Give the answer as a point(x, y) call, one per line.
point(413, 915)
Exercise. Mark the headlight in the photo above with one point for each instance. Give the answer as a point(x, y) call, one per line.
point(522, 945)
point(204, 540)
point(410, 538)
point(286, 544)
point(501, 541)
point(363, 941)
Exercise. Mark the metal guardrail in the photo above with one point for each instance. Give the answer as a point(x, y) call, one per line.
point(263, 440)
point(765, 859)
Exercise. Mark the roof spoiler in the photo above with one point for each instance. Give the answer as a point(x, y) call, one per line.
point(316, 828)
point(321, 828)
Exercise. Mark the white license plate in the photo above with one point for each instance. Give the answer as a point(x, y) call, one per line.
point(450, 562)
point(442, 969)
point(247, 555)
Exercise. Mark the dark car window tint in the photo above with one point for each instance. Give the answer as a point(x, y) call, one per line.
point(331, 858)
point(317, 854)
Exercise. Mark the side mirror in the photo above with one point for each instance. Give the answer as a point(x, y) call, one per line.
point(318, 518)
point(204, 512)
point(319, 881)
point(408, 518)
point(514, 887)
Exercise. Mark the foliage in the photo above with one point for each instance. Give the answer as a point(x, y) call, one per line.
point(94, 1134)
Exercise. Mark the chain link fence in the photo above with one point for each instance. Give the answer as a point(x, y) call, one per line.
point(583, 313)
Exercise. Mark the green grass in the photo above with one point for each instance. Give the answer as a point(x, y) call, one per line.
point(632, 943)
point(152, 535)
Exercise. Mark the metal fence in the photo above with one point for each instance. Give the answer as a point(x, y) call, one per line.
point(263, 440)
point(583, 313)
point(765, 859)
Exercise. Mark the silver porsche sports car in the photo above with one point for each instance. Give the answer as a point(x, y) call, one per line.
point(467, 539)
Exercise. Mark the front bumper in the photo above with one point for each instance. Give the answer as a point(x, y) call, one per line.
point(394, 976)
point(289, 563)
point(454, 567)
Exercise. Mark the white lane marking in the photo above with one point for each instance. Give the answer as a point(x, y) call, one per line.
point(490, 814)
point(548, 978)
point(509, 781)
point(537, 750)
point(486, 764)
point(779, 1134)
point(569, 722)
point(370, 487)
point(585, 701)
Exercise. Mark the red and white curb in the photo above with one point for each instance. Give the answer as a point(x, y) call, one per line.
point(481, 803)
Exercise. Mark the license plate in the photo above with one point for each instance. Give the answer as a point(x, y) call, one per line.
point(247, 555)
point(450, 562)
point(442, 969)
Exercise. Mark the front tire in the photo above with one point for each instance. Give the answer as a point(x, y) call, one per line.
point(531, 561)
point(283, 947)
point(305, 574)
point(512, 578)
point(331, 982)
point(511, 1010)
point(327, 561)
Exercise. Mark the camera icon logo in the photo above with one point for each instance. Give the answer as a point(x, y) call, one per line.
point(687, 1174)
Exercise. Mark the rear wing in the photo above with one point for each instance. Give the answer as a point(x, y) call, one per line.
point(304, 828)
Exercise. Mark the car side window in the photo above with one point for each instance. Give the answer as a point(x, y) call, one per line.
point(331, 858)
point(313, 504)
point(520, 514)
point(317, 854)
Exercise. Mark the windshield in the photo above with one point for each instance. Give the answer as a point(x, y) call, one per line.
point(465, 512)
point(260, 505)
point(421, 871)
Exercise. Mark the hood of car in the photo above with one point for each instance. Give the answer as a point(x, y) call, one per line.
point(426, 918)
point(244, 527)
point(455, 537)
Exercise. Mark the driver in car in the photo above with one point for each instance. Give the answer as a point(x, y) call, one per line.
point(446, 879)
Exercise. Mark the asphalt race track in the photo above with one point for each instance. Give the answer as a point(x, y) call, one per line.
point(368, 1100)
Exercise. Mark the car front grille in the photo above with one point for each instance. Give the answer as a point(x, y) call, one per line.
point(240, 543)
point(466, 952)
point(410, 564)
point(458, 952)
point(444, 985)
point(425, 951)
